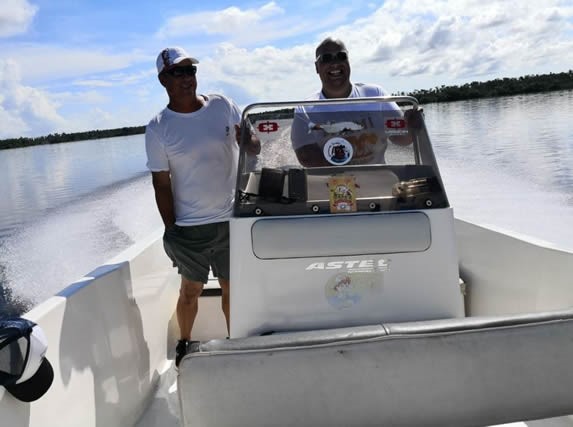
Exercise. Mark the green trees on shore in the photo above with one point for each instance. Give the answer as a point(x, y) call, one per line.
point(489, 89)
point(56, 138)
point(495, 88)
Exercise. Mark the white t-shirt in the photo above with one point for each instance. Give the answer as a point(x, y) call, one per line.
point(359, 90)
point(369, 143)
point(200, 151)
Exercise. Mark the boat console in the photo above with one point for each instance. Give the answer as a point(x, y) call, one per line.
point(341, 219)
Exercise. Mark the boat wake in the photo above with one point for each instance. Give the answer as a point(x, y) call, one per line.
point(45, 255)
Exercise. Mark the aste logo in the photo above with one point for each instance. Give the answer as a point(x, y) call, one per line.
point(352, 265)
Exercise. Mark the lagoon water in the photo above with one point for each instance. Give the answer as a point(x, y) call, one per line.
point(66, 208)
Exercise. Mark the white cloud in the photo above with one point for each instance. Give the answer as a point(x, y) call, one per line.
point(118, 79)
point(60, 62)
point(226, 21)
point(261, 74)
point(91, 97)
point(24, 110)
point(463, 39)
point(93, 83)
point(15, 17)
point(410, 41)
point(252, 26)
point(12, 125)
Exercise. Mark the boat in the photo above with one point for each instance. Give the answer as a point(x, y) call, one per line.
point(357, 299)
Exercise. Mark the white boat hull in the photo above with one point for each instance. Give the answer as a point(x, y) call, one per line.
point(107, 370)
point(108, 338)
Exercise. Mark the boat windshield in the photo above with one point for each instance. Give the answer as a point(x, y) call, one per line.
point(336, 156)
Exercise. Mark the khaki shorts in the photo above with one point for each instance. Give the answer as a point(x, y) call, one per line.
point(196, 249)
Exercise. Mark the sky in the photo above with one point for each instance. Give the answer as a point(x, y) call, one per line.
point(77, 65)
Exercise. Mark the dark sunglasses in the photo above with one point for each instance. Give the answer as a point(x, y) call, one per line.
point(176, 72)
point(328, 57)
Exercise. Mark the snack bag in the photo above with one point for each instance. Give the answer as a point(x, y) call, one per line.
point(342, 190)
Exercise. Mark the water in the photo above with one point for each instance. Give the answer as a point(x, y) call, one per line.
point(508, 162)
point(66, 208)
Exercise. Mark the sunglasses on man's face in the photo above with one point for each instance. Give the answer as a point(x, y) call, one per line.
point(329, 57)
point(177, 72)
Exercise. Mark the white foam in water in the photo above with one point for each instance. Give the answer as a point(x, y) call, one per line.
point(49, 254)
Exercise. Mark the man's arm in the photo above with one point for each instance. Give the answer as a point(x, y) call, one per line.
point(311, 156)
point(164, 197)
point(304, 143)
point(252, 145)
point(401, 139)
point(414, 122)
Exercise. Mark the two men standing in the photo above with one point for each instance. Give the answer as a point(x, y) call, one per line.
point(193, 152)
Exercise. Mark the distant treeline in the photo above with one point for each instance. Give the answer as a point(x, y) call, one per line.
point(56, 138)
point(285, 113)
point(495, 88)
point(489, 89)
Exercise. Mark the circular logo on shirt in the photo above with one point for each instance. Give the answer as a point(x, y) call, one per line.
point(338, 151)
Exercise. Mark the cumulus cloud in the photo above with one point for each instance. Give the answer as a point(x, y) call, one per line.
point(465, 38)
point(89, 97)
point(261, 74)
point(226, 21)
point(117, 80)
point(252, 26)
point(24, 110)
point(30, 111)
point(410, 41)
point(15, 17)
point(63, 62)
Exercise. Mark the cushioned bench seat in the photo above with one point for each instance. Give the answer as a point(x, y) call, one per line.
point(469, 371)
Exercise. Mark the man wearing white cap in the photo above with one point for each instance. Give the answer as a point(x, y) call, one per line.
point(192, 154)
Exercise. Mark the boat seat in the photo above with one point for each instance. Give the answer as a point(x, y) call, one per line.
point(463, 371)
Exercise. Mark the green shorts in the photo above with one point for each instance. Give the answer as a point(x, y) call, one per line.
point(197, 248)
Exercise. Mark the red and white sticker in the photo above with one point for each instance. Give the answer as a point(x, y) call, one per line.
point(395, 126)
point(268, 127)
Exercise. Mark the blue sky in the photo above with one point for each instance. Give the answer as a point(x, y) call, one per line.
point(75, 65)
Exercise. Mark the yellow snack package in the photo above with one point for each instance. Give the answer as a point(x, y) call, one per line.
point(342, 191)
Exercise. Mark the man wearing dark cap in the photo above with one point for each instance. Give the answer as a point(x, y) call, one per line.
point(333, 67)
point(192, 154)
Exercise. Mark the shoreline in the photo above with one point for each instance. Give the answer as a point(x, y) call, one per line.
point(498, 88)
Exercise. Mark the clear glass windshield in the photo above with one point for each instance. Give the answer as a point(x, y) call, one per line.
point(336, 156)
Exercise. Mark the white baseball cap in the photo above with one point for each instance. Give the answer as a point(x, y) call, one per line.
point(171, 56)
point(25, 371)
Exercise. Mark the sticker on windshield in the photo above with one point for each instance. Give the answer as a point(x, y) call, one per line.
point(395, 126)
point(342, 191)
point(338, 151)
point(268, 127)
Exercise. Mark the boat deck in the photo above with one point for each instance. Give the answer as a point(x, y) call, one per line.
point(164, 408)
